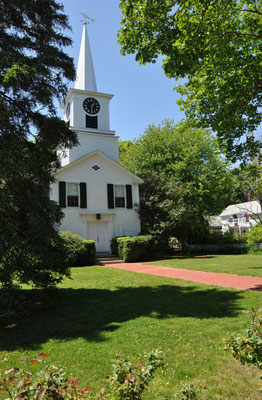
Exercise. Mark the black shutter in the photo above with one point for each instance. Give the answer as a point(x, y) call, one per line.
point(129, 200)
point(83, 203)
point(62, 194)
point(110, 195)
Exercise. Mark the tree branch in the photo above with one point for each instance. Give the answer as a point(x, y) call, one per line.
point(233, 33)
point(248, 10)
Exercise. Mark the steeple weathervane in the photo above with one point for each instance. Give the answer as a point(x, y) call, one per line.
point(86, 17)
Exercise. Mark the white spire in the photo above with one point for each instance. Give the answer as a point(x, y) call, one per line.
point(85, 76)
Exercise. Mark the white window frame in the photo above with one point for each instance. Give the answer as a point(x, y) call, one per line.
point(124, 186)
point(78, 194)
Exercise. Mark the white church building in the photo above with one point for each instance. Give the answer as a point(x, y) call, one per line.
point(97, 194)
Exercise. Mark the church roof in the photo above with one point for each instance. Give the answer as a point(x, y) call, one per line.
point(98, 152)
point(85, 76)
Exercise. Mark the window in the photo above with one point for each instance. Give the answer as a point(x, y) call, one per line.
point(72, 194)
point(119, 196)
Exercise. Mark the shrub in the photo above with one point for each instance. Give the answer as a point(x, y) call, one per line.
point(254, 250)
point(48, 384)
point(219, 238)
point(187, 392)
point(125, 382)
point(78, 251)
point(132, 248)
point(129, 382)
point(255, 235)
point(247, 348)
point(115, 243)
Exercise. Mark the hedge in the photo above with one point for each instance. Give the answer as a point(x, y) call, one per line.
point(132, 248)
point(78, 251)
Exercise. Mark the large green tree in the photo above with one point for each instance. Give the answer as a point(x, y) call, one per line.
point(216, 46)
point(33, 66)
point(185, 178)
point(248, 182)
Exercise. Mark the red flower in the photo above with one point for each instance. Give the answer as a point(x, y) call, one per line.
point(43, 354)
point(34, 361)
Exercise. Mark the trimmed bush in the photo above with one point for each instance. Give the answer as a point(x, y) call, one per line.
point(118, 243)
point(114, 245)
point(255, 235)
point(132, 248)
point(229, 237)
point(78, 251)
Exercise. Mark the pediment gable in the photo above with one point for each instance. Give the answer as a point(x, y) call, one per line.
point(106, 161)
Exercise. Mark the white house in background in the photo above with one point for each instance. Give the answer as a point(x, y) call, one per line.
point(241, 217)
point(97, 194)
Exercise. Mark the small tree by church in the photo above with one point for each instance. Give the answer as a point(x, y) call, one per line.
point(33, 67)
point(185, 178)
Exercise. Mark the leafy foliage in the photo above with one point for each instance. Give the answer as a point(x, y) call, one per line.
point(187, 392)
point(32, 69)
point(248, 348)
point(255, 235)
point(124, 147)
point(40, 263)
point(125, 381)
point(185, 179)
point(216, 47)
point(129, 382)
point(133, 248)
point(251, 177)
point(229, 237)
point(49, 383)
point(78, 251)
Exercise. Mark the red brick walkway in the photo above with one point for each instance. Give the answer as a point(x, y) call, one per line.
point(210, 278)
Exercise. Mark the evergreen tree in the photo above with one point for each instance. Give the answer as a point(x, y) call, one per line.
point(33, 66)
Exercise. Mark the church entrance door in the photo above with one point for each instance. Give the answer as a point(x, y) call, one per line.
point(98, 231)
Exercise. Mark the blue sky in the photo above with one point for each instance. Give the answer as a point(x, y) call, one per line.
point(142, 94)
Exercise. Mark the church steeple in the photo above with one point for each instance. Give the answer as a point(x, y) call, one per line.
point(85, 76)
point(87, 110)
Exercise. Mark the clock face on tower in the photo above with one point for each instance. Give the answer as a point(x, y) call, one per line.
point(91, 106)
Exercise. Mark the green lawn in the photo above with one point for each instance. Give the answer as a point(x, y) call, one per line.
point(244, 264)
point(102, 312)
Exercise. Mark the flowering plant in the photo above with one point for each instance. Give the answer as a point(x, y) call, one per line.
point(49, 383)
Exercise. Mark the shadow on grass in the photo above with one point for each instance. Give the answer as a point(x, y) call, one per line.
point(88, 313)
